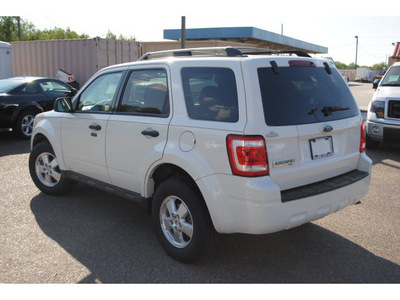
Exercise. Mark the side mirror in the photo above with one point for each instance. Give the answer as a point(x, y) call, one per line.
point(63, 105)
point(375, 83)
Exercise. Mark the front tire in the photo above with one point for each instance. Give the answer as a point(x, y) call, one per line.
point(45, 171)
point(182, 222)
point(24, 126)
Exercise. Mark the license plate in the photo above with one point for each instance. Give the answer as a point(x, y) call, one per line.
point(321, 147)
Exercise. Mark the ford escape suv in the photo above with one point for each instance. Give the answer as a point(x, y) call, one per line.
point(220, 140)
point(383, 118)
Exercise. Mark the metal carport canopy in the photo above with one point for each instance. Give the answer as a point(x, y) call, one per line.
point(252, 35)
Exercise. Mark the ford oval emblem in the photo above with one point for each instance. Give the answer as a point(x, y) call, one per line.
point(327, 128)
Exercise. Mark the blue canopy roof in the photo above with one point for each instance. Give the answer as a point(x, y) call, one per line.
point(246, 34)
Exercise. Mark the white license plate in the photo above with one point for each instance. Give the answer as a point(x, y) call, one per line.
point(321, 147)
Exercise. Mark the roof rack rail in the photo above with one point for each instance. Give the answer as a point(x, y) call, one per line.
point(219, 51)
point(259, 51)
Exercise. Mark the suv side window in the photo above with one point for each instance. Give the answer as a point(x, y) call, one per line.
point(97, 97)
point(146, 92)
point(210, 94)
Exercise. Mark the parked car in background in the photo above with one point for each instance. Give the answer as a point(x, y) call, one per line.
point(383, 119)
point(22, 98)
point(377, 79)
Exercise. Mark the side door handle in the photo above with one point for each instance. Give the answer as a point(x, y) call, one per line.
point(149, 132)
point(95, 127)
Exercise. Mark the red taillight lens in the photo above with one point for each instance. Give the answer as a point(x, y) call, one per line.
point(363, 138)
point(247, 155)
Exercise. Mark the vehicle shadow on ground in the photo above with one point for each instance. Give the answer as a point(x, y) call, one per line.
point(11, 144)
point(384, 153)
point(113, 238)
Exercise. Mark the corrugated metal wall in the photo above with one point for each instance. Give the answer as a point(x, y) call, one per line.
point(82, 58)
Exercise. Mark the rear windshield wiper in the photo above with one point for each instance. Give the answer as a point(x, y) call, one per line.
point(328, 110)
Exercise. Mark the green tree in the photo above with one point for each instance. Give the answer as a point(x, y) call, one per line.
point(60, 34)
point(380, 66)
point(121, 37)
point(352, 66)
point(340, 65)
point(9, 31)
point(110, 35)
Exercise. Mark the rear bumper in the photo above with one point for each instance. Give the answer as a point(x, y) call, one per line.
point(255, 206)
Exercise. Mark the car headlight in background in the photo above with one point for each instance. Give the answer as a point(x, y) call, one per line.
point(378, 107)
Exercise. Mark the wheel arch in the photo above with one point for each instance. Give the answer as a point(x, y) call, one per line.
point(165, 171)
point(38, 138)
point(47, 131)
point(34, 107)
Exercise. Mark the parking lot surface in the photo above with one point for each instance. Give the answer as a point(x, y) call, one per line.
point(90, 236)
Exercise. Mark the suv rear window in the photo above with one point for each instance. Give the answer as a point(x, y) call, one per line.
point(302, 95)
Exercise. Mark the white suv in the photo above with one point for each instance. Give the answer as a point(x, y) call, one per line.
point(383, 119)
point(216, 140)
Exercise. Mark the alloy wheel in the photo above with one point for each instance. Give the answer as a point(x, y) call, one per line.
point(47, 169)
point(176, 221)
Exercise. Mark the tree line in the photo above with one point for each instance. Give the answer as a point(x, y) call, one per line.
point(11, 31)
point(343, 66)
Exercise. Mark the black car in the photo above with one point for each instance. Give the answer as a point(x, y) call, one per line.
point(22, 98)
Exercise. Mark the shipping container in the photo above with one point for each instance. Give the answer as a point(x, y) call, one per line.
point(6, 68)
point(363, 75)
point(80, 58)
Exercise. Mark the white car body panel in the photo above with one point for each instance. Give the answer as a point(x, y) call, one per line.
point(120, 155)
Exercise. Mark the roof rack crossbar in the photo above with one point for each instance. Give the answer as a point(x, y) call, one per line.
point(219, 51)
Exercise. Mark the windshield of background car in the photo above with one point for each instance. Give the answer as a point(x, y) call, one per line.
point(392, 77)
point(302, 95)
point(9, 85)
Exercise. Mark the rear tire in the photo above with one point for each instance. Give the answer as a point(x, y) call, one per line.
point(45, 171)
point(182, 222)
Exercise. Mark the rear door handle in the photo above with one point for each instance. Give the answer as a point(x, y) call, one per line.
point(149, 132)
point(95, 127)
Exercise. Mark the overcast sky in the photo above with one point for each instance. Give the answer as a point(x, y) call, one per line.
point(333, 24)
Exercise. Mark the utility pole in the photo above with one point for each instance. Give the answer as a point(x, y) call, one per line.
point(183, 32)
point(356, 50)
point(19, 28)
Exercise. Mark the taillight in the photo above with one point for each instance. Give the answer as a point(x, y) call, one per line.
point(363, 138)
point(247, 155)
